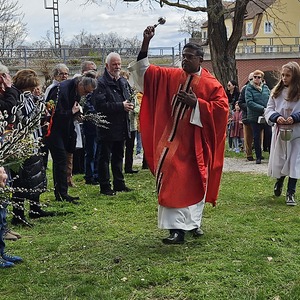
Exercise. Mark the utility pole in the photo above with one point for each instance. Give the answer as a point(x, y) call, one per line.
point(54, 8)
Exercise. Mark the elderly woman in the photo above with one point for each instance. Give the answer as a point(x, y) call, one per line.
point(257, 96)
point(31, 180)
point(61, 136)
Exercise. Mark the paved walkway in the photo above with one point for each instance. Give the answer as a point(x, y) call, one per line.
point(234, 165)
point(243, 165)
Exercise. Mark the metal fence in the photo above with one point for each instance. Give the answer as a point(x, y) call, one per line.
point(39, 58)
point(28, 57)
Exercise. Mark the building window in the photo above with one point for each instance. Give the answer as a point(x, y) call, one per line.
point(249, 28)
point(268, 27)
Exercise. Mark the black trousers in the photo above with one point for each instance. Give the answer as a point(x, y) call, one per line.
point(59, 158)
point(111, 152)
point(129, 151)
point(291, 186)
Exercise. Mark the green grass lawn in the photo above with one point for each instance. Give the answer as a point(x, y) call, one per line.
point(109, 248)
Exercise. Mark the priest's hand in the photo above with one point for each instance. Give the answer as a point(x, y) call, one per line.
point(149, 33)
point(189, 99)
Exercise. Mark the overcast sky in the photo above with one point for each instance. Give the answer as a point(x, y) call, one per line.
point(126, 19)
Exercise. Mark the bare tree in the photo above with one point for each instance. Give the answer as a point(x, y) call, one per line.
point(111, 41)
point(12, 30)
point(191, 25)
point(222, 49)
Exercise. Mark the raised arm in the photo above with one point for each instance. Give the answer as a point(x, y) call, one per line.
point(148, 34)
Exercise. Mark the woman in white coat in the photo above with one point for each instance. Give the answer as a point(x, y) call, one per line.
point(283, 110)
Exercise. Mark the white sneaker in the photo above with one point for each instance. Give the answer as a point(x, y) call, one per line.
point(139, 156)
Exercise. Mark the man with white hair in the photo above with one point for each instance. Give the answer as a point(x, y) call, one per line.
point(112, 99)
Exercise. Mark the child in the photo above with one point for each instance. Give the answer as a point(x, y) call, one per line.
point(236, 128)
point(283, 110)
point(6, 260)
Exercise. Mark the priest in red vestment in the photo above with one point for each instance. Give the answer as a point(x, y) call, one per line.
point(183, 122)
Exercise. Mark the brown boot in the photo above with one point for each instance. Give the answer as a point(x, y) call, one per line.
point(70, 169)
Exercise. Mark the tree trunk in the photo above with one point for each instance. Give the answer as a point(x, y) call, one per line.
point(223, 49)
point(222, 57)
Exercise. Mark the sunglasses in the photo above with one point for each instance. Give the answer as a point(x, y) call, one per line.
point(259, 77)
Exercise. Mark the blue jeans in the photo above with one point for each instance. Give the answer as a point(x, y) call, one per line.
point(138, 143)
point(3, 225)
point(91, 157)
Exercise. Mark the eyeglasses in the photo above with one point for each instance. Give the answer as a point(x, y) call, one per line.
point(63, 74)
point(259, 77)
point(87, 89)
point(190, 56)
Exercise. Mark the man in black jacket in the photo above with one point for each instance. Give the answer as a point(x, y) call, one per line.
point(112, 99)
point(61, 137)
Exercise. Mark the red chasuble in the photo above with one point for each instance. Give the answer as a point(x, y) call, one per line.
point(186, 159)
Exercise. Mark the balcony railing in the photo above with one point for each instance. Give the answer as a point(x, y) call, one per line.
point(279, 45)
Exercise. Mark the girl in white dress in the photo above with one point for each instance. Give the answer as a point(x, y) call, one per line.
point(283, 110)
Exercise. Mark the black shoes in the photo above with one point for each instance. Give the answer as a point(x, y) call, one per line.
point(131, 171)
point(278, 188)
point(290, 199)
point(71, 199)
point(108, 192)
point(68, 198)
point(176, 237)
point(123, 189)
point(197, 232)
point(250, 158)
point(41, 214)
point(92, 182)
point(258, 161)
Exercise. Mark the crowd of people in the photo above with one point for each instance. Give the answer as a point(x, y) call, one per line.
point(269, 121)
point(60, 129)
point(184, 120)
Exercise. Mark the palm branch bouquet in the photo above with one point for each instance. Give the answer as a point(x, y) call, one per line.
point(88, 113)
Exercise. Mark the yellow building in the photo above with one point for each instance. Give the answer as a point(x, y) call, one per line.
point(269, 26)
